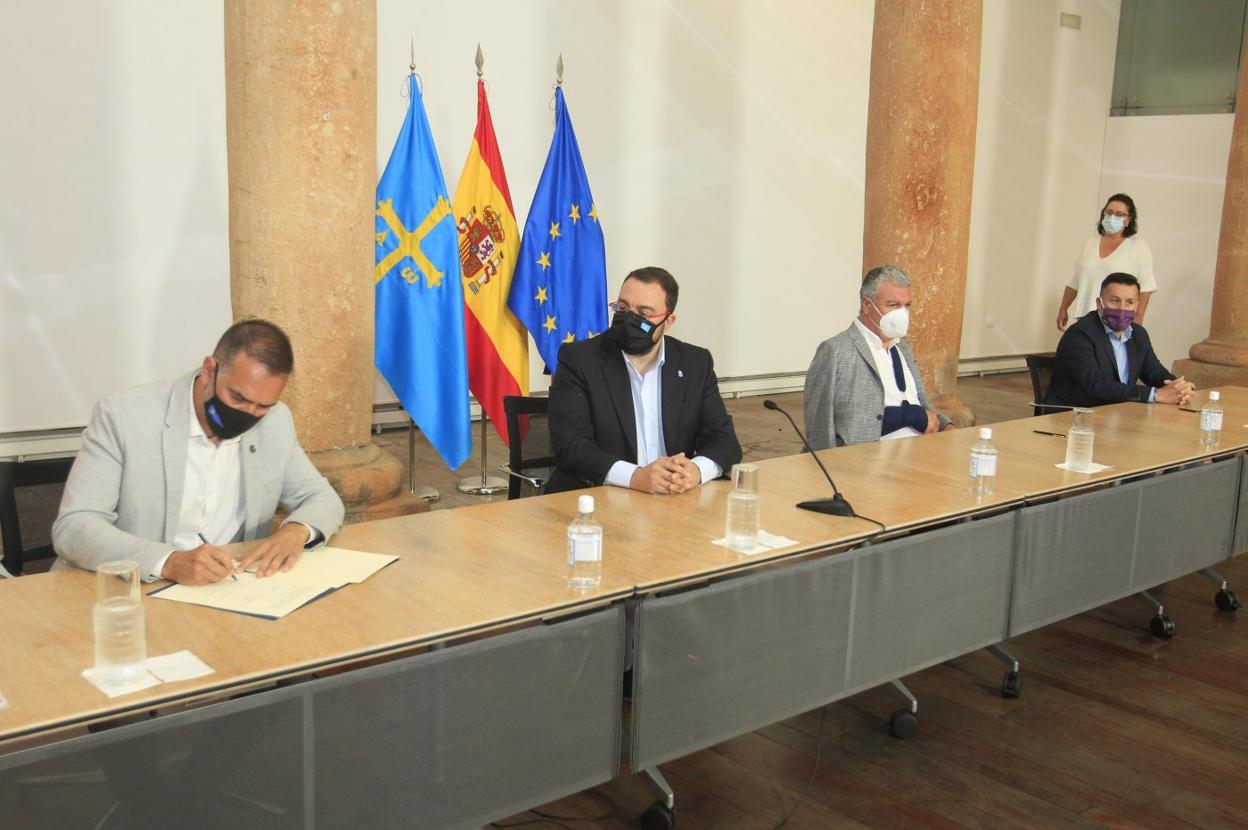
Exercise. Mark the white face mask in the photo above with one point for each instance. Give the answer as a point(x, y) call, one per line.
point(1113, 224)
point(895, 323)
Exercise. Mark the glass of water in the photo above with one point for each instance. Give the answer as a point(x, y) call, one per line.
point(120, 628)
point(741, 526)
point(1079, 440)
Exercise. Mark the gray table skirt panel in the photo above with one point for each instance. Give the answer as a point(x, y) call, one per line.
point(1082, 552)
point(1072, 555)
point(1241, 515)
point(707, 666)
point(722, 660)
point(1187, 521)
point(924, 599)
point(432, 740)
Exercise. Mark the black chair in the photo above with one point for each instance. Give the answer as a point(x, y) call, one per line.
point(1040, 367)
point(14, 474)
point(531, 460)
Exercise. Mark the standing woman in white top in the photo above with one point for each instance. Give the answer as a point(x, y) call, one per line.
point(1115, 249)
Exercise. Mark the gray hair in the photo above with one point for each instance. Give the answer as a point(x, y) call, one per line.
point(884, 273)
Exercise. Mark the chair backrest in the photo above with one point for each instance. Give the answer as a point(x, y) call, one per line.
point(1040, 367)
point(530, 451)
point(15, 474)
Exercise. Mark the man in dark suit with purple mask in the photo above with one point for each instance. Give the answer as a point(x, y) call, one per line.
point(1106, 357)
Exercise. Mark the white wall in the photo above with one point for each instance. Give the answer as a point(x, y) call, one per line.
point(1044, 94)
point(724, 141)
point(1174, 167)
point(114, 264)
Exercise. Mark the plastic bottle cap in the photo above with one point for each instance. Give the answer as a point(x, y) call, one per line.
point(1215, 396)
point(585, 504)
point(985, 433)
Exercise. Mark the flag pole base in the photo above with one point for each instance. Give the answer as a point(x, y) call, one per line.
point(482, 485)
point(424, 491)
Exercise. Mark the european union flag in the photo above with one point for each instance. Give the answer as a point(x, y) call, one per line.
point(559, 290)
point(419, 341)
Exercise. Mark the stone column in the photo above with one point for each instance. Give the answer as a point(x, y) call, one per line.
point(1222, 358)
point(920, 163)
point(301, 115)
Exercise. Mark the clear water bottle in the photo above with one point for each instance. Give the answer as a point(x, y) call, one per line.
point(742, 522)
point(1079, 439)
point(120, 628)
point(584, 546)
point(1211, 420)
point(983, 463)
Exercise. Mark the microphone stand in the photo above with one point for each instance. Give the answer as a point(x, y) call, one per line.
point(835, 506)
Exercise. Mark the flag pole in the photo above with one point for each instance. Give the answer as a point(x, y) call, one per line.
point(485, 484)
point(420, 491)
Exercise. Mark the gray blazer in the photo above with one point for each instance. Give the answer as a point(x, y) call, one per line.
point(844, 399)
point(123, 499)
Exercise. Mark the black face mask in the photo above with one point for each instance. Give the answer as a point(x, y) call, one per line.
point(633, 333)
point(225, 421)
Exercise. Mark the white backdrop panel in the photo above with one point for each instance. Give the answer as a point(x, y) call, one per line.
point(114, 262)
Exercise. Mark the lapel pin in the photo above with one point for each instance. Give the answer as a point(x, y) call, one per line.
point(680, 373)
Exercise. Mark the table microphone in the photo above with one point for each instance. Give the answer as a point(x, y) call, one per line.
point(835, 506)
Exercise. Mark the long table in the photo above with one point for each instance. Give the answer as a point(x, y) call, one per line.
point(493, 686)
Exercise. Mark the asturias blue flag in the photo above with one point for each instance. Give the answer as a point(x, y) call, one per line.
point(559, 290)
point(419, 343)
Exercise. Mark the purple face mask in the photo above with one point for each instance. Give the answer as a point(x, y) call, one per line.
point(1118, 319)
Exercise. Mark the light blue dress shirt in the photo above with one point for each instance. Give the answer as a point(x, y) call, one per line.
point(1119, 345)
point(648, 415)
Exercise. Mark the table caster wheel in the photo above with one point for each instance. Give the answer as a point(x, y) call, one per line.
point(1226, 600)
point(1162, 627)
point(658, 816)
point(904, 724)
point(1011, 685)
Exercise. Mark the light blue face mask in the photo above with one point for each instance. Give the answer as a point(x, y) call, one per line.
point(1113, 224)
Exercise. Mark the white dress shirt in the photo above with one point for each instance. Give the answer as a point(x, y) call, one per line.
point(212, 491)
point(648, 418)
point(893, 396)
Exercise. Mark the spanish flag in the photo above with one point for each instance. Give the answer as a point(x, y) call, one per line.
point(498, 345)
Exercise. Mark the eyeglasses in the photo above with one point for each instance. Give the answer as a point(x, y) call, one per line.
point(652, 316)
point(1119, 214)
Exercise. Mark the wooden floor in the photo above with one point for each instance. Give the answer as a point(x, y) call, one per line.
point(1114, 729)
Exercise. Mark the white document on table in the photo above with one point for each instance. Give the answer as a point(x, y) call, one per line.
point(317, 573)
point(904, 432)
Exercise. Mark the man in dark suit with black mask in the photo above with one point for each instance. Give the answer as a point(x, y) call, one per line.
point(636, 408)
point(1103, 356)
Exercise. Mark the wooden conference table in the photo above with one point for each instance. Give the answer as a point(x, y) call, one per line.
point(500, 688)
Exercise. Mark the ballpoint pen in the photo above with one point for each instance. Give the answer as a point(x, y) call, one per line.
point(206, 542)
point(1054, 434)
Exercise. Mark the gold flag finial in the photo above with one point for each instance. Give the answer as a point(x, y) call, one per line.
point(559, 71)
point(480, 61)
point(412, 66)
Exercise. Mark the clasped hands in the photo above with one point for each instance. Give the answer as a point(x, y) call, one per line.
point(667, 475)
point(207, 564)
point(1178, 391)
